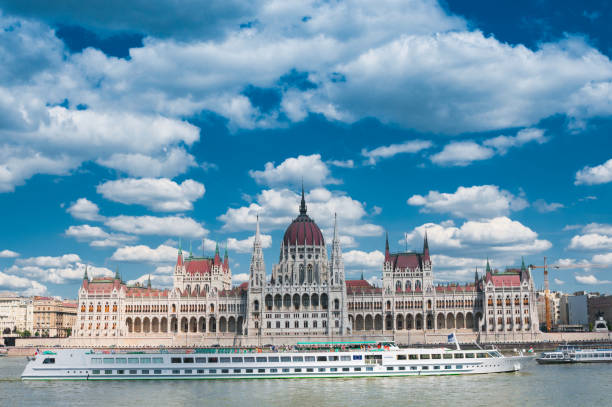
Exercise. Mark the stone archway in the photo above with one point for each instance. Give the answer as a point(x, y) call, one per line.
point(231, 324)
point(389, 322)
point(202, 324)
point(460, 322)
point(137, 325)
point(450, 321)
point(155, 325)
point(184, 324)
point(469, 320)
point(163, 325)
point(399, 322)
point(409, 321)
point(359, 324)
point(369, 323)
point(212, 325)
point(174, 325)
point(378, 322)
point(146, 325)
point(440, 321)
point(418, 322)
point(193, 325)
point(129, 324)
point(222, 325)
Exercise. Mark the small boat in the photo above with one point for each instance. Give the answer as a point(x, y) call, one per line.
point(576, 354)
point(310, 360)
point(3, 350)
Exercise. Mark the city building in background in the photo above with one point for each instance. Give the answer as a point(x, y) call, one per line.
point(53, 317)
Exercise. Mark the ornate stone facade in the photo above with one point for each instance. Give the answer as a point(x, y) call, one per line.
point(306, 296)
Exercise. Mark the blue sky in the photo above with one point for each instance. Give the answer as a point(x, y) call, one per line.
point(126, 129)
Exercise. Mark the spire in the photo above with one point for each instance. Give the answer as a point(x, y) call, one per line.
point(476, 275)
point(149, 282)
point(335, 226)
point(257, 237)
point(387, 254)
point(225, 258)
point(303, 202)
point(523, 268)
point(180, 247)
point(117, 277)
point(85, 274)
point(190, 251)
point(336, 264)
point(362, 275)
point(426, 246)
point(488, 266)
point(257, 267)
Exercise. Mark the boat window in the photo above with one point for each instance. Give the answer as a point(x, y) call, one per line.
point(413, 368)
point(249, 370)
point(273, 359)
point(120, 371)
point(176, 371)
point(437, 367)
point(236, 360)
point(203, 360)
point(298, 370)
point(145, 360)
point(447, 356)
point(133, 371)
point(321, 369)
point(345, 358)
point(285, 370)
point(298, 359)
point(133, 360)
point(469, 355)
point(175, 360)
point(108, 372)
point(333, 369)
point(224, 360)
point(310, 370)
point(447, 367)
point(261, 359)
point(96, 371)
point(108, 361)
point(212, 370)
point(458, 355)
point(121, 360)
point(436, 356)
point(356, 357)
point(145, 371)
point(324, 358)
point(224, 370)
point(345, 369)
point(285, 359)
point(310, 358)
point(200, 371)
point(237, 370)
point(402, 368)
point(187, 360)
point(213, 360)
point(155, 360)
point(332, 358)
point(401, 357)
point(424, 356)
point(413, 357)
point(389, 367)
point(273, 370)
point(425, 368)
point(157, 371)
point(96, 361)
point(459, 366)
point(248, 360)
point(482, 355)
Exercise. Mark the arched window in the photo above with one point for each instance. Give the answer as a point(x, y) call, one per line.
point(83, 307)
point(525, 300)
point(106, 307)
point(408, 285)
point(269, 302)
point(99, 308)
point(296, 301)
point(490, 301)
point(255, 305)
point(398, 286)
point(336, 304)
point(115, 307)
point(310, 274)
point(301, 279)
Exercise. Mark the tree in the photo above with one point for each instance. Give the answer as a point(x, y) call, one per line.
point(25, 334)
point(6, 331)
point(37, 334)
point(68, 332)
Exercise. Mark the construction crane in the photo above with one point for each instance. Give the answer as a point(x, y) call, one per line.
point(547, 286)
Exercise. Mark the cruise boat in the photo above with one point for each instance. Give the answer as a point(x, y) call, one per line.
point(3, 350)
point(575, 354)
point(308, 360)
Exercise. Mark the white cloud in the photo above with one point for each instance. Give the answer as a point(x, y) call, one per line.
point(157, 280)
point(85, 209)
point(49, 261)
point(151, 225)
point(503, 143)
point(278, 207)
point(167, 164)
point(142, 253)
point(571, 227)
point(22, 285)
point(604, 258)
point(409, 146)
point(543, 207)
point(97, 237)
point(342, 164)
point(600, 174)
point(158, 194)
point(591, 241)
point(484, 201)
point(590, 279)
point(246, 245)
point(309, 169)
point(601, 228)
point(461, 153)
point(7, 254)
point(359, 258)
point(558, 282)
point(240, 278)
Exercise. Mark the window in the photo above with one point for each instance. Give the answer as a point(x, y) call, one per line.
point(133, 360)
point(214, 360)
point(458, 355)
point(212, 370)
point(175, 360)
point(262, 359)
point(447, 356)
point(224, 360)
point(144, 371)
point(469, 355)
point(200, 371)
point(176, 371)
point(203, 360)
point(157, 371)
point(297, 370)
point(49, 361)
point(298, 359)
point(413, 368)
point(236, 360)
point(345, 358)
point(310, 370)
point(424, 356)
point(389, 367)
point(436, 356)
point(321, 369)
point(413, 357)
point(96, 371)
point(401, 357)
point(357, 357)
point(447, 367)
point(237, 370)
point(401, 368)
point(187, 360)
point(273, 370)
point(459, 366)
point(224, 370)
point(425, 368)
point(109, 361)
point(285, 359)
point(345, 369)
point(249, 360)
point(121, 360)
point(333, 369)
point(108, 372)
point(133, 371)
point(273, 359)
point(249, 370)
point(436, 367)
point(155, 360)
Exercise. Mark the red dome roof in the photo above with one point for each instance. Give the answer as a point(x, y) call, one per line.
point(303, 230)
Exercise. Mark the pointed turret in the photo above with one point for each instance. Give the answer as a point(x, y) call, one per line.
point(117, 276)
point(85, 277)
point(303, 202)
point(387, 254)
point(217, 260)
point(257, 268)
point(226, 259)
point(149, 282)
point(362, 275)
point(488, 270)
point(426, 247)
point(190, 251)
point(179, 257)
point(524, 272)
point(476, 276)
point(337, 265)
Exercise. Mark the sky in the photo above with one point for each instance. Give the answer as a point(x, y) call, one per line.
point(134, 127)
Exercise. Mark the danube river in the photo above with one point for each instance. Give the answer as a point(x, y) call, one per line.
point(579, 385)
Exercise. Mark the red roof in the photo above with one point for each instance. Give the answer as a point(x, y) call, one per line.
point(405, 260)
point(303, 231)
point(202, 266)
point(361, 287)
point(506, 280)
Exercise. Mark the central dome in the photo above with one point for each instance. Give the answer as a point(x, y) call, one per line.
point(303, 230)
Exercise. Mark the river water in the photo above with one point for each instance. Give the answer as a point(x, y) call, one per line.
point(535, 385)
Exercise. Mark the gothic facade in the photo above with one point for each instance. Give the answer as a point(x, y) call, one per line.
point(306, 295)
